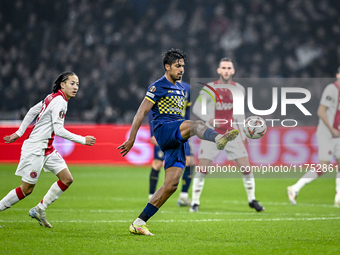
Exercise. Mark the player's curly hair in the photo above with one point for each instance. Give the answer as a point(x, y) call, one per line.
point(61, 78)
point(171, 56)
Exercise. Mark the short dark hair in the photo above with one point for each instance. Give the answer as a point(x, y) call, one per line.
point(338, 70)
point(226, 59)
point(171, 56)
point(61, 78)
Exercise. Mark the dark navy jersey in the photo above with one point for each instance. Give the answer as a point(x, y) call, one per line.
point(168, 99)
point(187, 102)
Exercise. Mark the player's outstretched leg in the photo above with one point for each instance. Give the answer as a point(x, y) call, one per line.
point(190, 128)
point(13, 197)
point(225, 138)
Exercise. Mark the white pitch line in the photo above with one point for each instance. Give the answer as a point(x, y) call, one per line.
point(253, 213)
point(284, 204)
point(188, 221)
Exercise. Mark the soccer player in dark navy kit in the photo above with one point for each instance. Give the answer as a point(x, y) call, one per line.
point(165, 98)
point(158, 159)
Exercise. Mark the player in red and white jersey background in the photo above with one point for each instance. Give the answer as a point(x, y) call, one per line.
point(328, 138)
point(37, 151)
point(236, 149)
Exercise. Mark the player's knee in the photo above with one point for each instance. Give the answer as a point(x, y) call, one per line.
point(157, 165)
point(171, 187)
point(68, 181)
point(199, 122)
point(196, 125)
point(27, 191)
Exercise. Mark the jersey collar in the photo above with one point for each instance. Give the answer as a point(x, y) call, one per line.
point(62, 94)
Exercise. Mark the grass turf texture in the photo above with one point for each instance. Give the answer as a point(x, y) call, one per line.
point(93, 217)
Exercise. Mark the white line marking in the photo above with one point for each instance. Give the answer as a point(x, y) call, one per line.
point(185, 221)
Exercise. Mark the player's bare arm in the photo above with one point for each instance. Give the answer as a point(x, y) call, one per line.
point(11, 138)
point(143, 109)
point(323, 116)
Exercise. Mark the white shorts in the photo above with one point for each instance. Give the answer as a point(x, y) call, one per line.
point(235, 149)
point(327, 147)
point(30, 166)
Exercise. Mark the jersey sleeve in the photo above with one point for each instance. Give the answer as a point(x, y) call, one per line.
point(188, 103)
point(197, 108)
point(30, 116)
point(58, 110)
point(328, 96)
point(58, 113)
point(154, 93)
point(240, 118)
point(150, 123)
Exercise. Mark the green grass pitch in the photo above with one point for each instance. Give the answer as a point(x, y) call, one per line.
point(93, 217)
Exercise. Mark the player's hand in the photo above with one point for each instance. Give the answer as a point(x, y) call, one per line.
point(11, 138)
point(335, 133)
point(153, 140)
point(126, 147)
point(90, 140)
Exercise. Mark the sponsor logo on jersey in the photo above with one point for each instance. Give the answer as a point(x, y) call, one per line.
point(224, 106)
point(150, 94)
point(180, 103)
point(171, 91)
point(152, 89)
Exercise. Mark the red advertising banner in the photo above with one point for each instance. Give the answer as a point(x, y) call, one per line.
point(279, 146)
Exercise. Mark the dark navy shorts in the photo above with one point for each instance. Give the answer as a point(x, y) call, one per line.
point(173, 146)
point(158, 153)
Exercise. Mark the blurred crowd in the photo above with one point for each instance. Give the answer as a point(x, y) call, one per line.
point(115, 47)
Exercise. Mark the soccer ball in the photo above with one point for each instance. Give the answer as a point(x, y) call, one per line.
point(255, 127)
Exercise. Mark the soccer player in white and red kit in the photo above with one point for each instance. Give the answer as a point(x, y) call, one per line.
point(328, 137)
point(37, 151)
point(235, 149)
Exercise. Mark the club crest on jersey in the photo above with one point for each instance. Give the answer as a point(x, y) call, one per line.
point(33, 174)
point(61, 115)
point(152, 89)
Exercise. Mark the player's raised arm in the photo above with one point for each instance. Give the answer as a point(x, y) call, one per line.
point(143, 109)
point(29, 117)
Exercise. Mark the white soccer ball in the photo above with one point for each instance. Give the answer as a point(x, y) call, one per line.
point(255, 127)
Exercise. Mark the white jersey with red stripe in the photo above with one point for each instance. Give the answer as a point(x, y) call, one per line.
point(219, 111)
point(330, 98)
point(50, 122)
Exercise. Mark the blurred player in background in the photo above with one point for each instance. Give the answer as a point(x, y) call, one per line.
point(37, 151)
point(157, 162)
point(165, 98)
point(328, 137)
point(236, 149)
